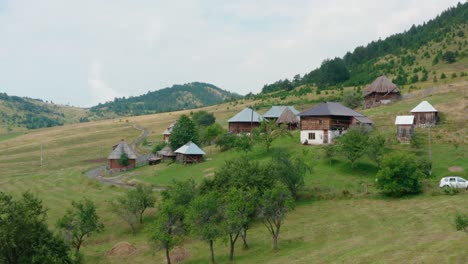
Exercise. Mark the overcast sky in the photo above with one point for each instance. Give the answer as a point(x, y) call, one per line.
point(83, 52)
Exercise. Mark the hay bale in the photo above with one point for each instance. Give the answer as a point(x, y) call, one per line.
point(122, 249)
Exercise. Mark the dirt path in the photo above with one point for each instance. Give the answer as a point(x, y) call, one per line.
point(99, 172)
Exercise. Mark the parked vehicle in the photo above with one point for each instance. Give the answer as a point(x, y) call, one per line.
point(453, 182)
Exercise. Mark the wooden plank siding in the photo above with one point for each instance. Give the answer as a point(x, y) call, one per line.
point(424, 119)
point(325, 122)
point(242, 127)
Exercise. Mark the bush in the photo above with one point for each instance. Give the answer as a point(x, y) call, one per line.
point(400, 175)
point(158, 147)
point(461, 222)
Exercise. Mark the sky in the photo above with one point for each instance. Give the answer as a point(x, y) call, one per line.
point(85, 52)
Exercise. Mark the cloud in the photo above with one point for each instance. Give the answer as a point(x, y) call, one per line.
point(99, 89)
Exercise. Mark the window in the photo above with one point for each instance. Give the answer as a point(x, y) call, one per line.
point(311, 135)
point(452, 179)
point(320, 122)
point(460, 180)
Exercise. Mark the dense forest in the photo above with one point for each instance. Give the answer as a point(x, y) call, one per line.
point(364, 64)
point(177, 97)
point(29, 113)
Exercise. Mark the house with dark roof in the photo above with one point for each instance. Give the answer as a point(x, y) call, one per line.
point(189, 153)
point(116, 154)
point(326, 121)
point(244, 121)
point(381, 91)
point(425, 114)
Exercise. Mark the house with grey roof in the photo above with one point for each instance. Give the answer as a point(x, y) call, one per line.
point(189, 153)
point(405, 127)
point(276, 111)
point(326, 121)
point(425, 114)
point(115, 158)
point(244, 121)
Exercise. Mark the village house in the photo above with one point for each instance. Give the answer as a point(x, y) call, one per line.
point(168, 131)
point(326, 121)
point(288, 118)
point(381, 91)
point(404, 128)
point(244, 121)
point(425, 114)
point(189, 153)
point(116, 155)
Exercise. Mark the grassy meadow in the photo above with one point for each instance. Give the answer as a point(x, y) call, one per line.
point(335, 222)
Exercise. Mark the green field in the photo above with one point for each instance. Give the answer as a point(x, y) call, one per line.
point(335, 222)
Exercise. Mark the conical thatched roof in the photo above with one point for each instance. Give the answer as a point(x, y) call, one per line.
point(287, 117)
point(166, 151)
point(121, 148)
point(382, 85)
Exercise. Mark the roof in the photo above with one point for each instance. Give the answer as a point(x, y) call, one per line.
point(166, 151)
point(364, 120)
point(381, 85)
point(404, 120)
point(121, 148)
point(246, 115)
point(168, 130)
point(275, 111)
point(190, 149)
point(287, 117)
point(330, 109)
point(424, 106)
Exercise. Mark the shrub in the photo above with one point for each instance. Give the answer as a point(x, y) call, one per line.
point(461, 222)
point(158, 147)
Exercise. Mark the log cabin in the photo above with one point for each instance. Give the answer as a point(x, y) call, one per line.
point(116, 154)
point(244, 121)
point(404, 128)
point(326, 121)
point(381, 91)
point(425, 114)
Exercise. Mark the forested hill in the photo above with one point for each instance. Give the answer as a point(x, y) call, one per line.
point(444, 38)
point(177, 97)
point(20, 112)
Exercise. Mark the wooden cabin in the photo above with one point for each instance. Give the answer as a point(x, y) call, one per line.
point(404, 128)
point(425, 115)
point(326, 121)
point(167, 154)
point(381, 91)
point(168, 131)
point(275, 112)
point(244, 121)
point(116, 154)
point(288, 118)
point(189, 153)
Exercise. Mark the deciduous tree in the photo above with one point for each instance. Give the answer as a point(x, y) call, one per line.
point(353, 143)
point(182, 132)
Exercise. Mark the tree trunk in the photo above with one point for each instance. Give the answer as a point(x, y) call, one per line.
point(275, 241)
point(141, 218)
point(244, 239)
point(133, 228)
point(212, 252)
point(168, 258)
point(231, 252)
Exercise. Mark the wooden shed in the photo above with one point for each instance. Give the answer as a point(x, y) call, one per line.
point(275, 111)
point(381, 91)
point(116, 154)
point(404, 128)
point(425, 114)
point(289, 118)
point(189, 153)
point(167, 153)
point(244, 121)
point(168, 131)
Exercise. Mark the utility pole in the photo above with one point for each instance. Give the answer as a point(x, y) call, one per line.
point(430, 149)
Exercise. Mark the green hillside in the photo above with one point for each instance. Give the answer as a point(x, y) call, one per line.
point(419, 54)
point(177, 97)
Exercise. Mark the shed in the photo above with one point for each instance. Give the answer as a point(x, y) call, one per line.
point(289, 118)
point(189, 153)
point(275, 111)
point(167, 153)
point(381, 91)
point(404, 127)
point(116, 154)
point(244, 121)
point(168, 131)
point(425, 114)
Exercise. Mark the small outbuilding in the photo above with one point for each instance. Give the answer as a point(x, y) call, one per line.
point(117, 154)
point(244, 121)
point(275, 111)
point(189, 153)
point(288, 118)
point(425, 114)
point(381, 91)
point(404, 128)
point(167, 153)
point(168, 131)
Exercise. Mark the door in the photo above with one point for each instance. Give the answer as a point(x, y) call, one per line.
point(461, 183)
point(325, 136)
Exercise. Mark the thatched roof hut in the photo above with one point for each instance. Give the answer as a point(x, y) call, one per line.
point(289, 118)
point(275, 111)
point(116, 154)
point(167, 153)
point(381, 91)
point(168, 131)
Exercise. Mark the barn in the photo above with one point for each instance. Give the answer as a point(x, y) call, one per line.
point(326, 121)
point(116, 155)
point(404, 128)
point(189, 153)
point(381, 91)
point(288, 118)
point(425, 114)
point(244, 121)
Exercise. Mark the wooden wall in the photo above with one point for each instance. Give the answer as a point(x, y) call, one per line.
point(188, 158)
point(242, 127)
point(405, 132)
point(114, 164)
point(325, 122)
point(373, 99)
point(424, 119)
